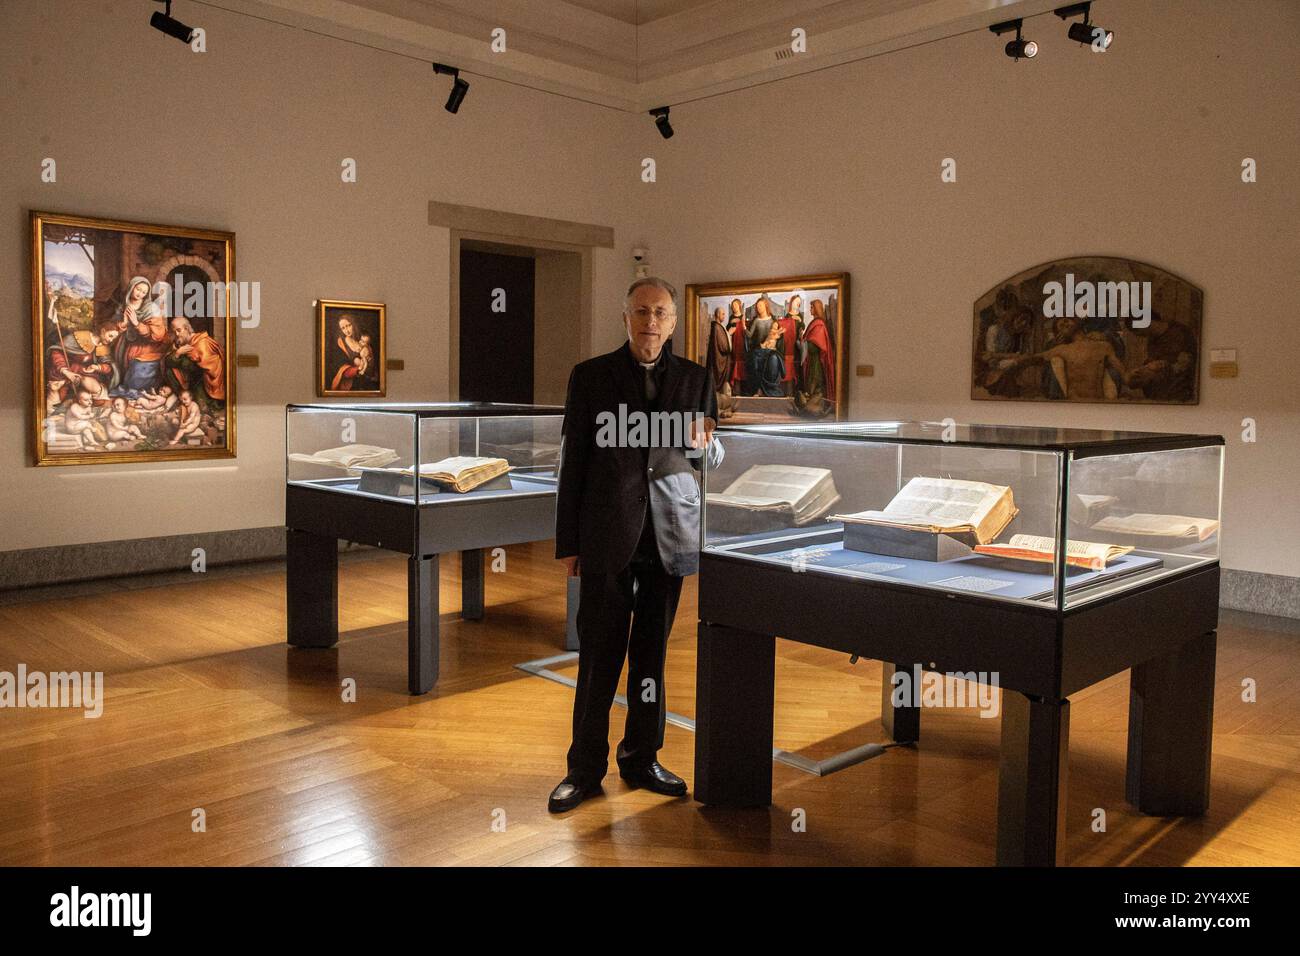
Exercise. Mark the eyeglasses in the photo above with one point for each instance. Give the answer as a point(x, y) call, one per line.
point(644, 314)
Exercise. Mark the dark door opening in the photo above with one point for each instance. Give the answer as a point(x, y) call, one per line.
point(496, 327)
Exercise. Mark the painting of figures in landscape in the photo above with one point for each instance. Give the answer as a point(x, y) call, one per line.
point(132, 334)
point(1089, 329)
point(775, 348)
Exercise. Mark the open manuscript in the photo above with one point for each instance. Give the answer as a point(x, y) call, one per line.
point(1034, 547)
point(1159, 526)
point(461, 473)
point(971, 510)
point(348, 456)
point(784, 495)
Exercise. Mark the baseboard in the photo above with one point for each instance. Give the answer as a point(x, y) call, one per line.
point(75, 563)
point(1277, 595)
point(1260, 593)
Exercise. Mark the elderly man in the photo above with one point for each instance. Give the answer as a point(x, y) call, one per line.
point(627, 523)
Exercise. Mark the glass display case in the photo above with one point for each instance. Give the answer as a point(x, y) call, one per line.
point(1040, 516)
point(423, 481)
point(1036, 560)
point(464, 450)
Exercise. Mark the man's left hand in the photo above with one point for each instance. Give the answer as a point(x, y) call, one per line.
point(705, 427)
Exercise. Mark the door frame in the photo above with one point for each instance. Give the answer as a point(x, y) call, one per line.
point(509, 245)
point(518, 233)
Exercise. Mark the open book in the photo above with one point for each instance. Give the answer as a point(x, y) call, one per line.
point(462, 473)
point(349, 456)
point(1033, 547)
point(1089, 509)
point(973, 510)
point(773, 495)
point(1158, 526)
point(525, 453)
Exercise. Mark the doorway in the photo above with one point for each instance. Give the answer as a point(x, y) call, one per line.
point(562, 252)
point(497, 326)
point(520, 327)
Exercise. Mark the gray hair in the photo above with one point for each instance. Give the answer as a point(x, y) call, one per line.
point(655, 282)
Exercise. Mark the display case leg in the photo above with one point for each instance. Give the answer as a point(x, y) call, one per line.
point(572, 597)
point(1031, 780)
point(734, 677)
point(902, 721)
point(422, 623)
point(311, 589)
point(1170, 729)
point(471, 585)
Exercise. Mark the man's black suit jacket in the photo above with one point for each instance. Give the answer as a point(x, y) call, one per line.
point(604, 491)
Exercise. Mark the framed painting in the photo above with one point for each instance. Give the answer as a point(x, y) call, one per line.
point(776, 349)
point(352, 349)
point(133, 334)
point(1089, 329)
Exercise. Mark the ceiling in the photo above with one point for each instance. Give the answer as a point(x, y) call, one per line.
point(636, 54)
point(638, 11)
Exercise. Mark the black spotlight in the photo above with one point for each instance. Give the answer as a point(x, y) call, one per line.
point(459, 87)
point(661, 120)
point(1085, 32)
point(172, 27)
point(1018, 47)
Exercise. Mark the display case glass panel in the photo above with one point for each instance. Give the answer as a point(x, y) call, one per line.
point(979, 511)
point(1162, 504)
point(465, 450)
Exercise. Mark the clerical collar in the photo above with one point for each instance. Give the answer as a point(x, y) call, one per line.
point(657, 364)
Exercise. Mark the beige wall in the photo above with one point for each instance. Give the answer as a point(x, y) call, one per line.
point(249, 137)
point(1134, 153)
point(557, 285)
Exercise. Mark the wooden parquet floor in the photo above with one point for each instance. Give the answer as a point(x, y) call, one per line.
point(206, 707)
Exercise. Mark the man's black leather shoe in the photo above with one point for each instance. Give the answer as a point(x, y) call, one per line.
point(568, 795)
point(655, 779)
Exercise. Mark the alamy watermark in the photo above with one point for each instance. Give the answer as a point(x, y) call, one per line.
point(75, 908)
point(193, 299)
point(1101, 300)
point(638, 429)
point(918, 688)
point(84, 689)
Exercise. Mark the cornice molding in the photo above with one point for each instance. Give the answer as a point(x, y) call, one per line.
point(682, 51)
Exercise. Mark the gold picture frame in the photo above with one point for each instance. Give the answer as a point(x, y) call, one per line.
point(782, 388)
point(351, 365)
point(145, 387)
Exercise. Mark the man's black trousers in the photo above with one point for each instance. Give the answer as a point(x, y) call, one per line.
point(644, 596)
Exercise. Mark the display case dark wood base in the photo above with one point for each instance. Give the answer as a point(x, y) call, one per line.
point(1032, 771)
point(316, 519)
point(1170, 718)
point(899, 713)
point(1164, 631)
